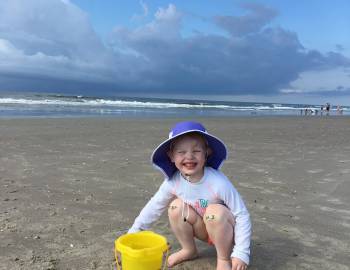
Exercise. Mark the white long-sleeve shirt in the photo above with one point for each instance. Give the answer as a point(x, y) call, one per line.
point(214, 187)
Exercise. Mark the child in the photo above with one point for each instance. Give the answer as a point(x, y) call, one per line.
point(201, 201)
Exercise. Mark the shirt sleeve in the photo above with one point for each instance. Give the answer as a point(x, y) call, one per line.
point(154, 208)
point(242, 229)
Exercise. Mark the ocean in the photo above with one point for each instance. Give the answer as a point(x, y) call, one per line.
point(55, 105)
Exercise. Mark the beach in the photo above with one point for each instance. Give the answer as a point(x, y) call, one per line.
point(71, 186)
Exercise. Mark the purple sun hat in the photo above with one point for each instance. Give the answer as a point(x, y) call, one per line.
point(160, 157)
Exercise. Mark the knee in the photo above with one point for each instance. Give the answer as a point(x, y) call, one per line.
point(216, 214)
point(174, 210)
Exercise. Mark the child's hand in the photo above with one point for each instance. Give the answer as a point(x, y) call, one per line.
point(238, 264)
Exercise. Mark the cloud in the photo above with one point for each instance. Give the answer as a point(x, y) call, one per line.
point(165, 26)
point(252, 22)
point(261, 62)
point(339, 47)
point(37, 44)
point(138, 17)
point(39, 25)
point(40, 50)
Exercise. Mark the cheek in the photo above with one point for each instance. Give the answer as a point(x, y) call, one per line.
point(176, 158)
point(201, 157)
point(173, 157)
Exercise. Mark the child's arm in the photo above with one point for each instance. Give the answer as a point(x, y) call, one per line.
point(154, 208)
point(242, 229)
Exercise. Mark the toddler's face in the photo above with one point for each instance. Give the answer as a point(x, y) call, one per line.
point(189, 156)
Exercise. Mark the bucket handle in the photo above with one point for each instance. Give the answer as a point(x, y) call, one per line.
point(165, 260)
point(118, 259)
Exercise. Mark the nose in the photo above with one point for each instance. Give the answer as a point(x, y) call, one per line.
point(189, 155)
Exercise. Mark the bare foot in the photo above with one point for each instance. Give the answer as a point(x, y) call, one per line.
point(181, 256)
point(223, 264)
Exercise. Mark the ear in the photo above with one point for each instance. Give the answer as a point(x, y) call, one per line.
point(170, 155)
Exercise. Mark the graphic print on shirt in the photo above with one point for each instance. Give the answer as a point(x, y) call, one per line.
point(200, 205)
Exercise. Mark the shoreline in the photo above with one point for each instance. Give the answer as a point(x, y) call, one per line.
point(70, 186)
point(171, 117)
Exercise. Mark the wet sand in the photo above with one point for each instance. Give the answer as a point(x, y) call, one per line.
point(70, 187)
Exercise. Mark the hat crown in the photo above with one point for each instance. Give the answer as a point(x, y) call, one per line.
point(184, 127)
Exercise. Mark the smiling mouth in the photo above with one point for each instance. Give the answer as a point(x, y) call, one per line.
point(190, 165)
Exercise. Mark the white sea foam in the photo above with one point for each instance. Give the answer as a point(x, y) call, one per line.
point(138, 104)
point(43, 105)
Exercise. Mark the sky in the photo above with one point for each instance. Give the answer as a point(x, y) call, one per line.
point(265, 51)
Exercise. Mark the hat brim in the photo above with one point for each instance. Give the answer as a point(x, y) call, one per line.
point(161, 160)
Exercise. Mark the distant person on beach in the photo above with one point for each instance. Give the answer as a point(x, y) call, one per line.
point(328, 108)
point(202, 202)
point(339, 110)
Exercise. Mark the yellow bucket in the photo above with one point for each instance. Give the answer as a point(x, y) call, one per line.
point(143, 250)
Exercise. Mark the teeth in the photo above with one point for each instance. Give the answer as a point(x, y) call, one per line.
point(190, 165)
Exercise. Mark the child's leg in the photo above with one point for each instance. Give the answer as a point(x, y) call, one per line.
point(219, 223)
point(185, 231)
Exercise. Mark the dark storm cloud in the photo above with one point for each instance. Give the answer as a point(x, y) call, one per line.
point(51, 46)
point(261, 61)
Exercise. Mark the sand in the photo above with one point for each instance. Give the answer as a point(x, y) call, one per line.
point(70, 187)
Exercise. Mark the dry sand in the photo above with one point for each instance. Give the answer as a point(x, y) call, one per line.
point(69, 187)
